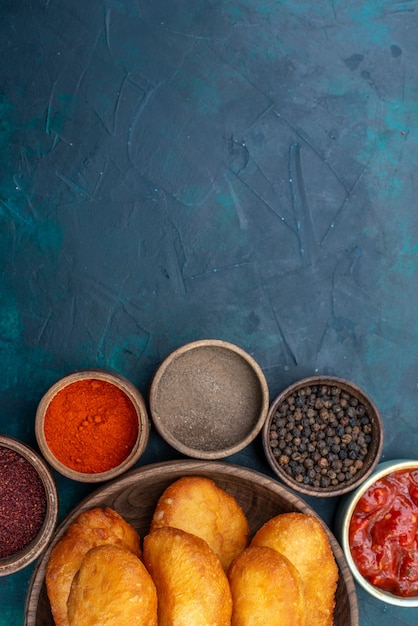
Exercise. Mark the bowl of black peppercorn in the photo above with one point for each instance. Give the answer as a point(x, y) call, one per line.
point(323, 436)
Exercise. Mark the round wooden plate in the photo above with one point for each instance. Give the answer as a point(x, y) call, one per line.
point(135, 495)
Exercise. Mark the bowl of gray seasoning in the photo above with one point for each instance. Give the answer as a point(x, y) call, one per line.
point(323, 436)
point(209, 399)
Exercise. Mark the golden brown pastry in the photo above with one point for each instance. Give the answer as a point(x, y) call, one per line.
point(90, 529)
point(112, 588)
point(266, 590)
point(198, 506)
point(303, 540)
point(192, 587)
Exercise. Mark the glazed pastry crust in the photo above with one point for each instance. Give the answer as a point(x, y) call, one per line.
point(91, 528)
point(266, 589)
point(192, 587)
point(303, 540)
point(112, 587)
point(197, 505)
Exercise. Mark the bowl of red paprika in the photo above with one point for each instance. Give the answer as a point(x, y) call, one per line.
point(92, 425)
point(28, 505)
point(377, 526)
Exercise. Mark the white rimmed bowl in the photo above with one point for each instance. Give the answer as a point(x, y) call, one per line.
point(342, 521)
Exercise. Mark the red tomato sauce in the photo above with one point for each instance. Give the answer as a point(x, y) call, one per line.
point(383, 533)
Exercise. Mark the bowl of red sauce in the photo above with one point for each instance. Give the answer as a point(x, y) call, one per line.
point(377, 526)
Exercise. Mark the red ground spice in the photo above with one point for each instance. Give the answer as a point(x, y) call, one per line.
point(91, 426)
point(22, 502)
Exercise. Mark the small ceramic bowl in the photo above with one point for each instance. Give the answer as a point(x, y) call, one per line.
point(30, 497)
point(323, 436)
point(84, 385)
point(343, 517)
point(209, 399)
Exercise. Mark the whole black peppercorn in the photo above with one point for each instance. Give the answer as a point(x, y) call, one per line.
point(351, 412)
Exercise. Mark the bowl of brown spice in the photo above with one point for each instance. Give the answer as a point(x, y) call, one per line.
point(209, 399)
point(92, 425)
point(28, 505)
point(323, 436)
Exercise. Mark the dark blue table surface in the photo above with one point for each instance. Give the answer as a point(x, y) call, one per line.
point(242, 170)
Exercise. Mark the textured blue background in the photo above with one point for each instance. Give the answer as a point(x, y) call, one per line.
point(182, 169)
